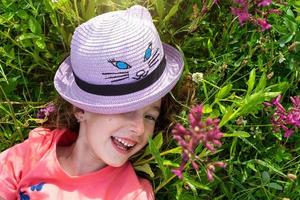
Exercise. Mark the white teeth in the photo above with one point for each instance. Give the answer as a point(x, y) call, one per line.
point(123, 142)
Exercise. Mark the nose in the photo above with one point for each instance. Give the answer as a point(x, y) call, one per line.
point(136, 121)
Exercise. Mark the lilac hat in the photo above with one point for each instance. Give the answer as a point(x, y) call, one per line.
point(118, 64)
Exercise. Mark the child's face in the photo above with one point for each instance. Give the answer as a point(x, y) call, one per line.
point(113, 139)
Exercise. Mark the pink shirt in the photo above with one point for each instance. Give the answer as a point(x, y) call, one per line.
point(31, 171)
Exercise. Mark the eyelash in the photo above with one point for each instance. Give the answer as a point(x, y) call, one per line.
point(150, 117)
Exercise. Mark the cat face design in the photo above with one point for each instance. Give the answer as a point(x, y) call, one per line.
point(150, 57)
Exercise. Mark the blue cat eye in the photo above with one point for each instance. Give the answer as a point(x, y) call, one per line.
point(148, 52)
point(120, 64)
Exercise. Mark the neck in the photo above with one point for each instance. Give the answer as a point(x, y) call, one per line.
point(77, 159)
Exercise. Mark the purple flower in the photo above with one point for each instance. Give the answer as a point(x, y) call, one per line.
point(178, 173)
point(293, 116)
point(284, 120)
point(200, 131)
point(264, 3)
point(264, 25)
point(45, 112)
point(242, 14)
point(241, 10)
point(211, 169)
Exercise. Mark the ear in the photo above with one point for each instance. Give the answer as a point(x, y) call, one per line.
point(78, 113)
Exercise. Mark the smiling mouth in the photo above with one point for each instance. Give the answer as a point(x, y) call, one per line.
point(122, 144)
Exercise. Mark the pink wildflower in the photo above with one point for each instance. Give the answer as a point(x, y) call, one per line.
point(288, 121)
point(241, 10)
point(211, 169)
point(264, 3)
point(264, 25)
point(200, 131)
point(242, 14)
point(293, 116)
point(45, 112)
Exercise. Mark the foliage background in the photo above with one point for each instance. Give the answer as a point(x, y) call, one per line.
point(242, 67)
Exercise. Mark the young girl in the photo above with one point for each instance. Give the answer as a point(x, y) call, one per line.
point(115, 78)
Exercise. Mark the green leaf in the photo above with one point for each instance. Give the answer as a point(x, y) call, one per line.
point(277, 135)
point(170, 163)
point(262, 83)
point(290, 21)
point(195, 184)
point(53, 19)
point(22, 14)
point(5, 110)
point(2, 73)
point(270, 166)
point(285, 39)
point(176, 150)
point(6, 17)
point(154, 151)
point(228, 116)
point(34, 26)
point(207, 108)
point(251, 82)
point(222, 108)
point(251, 103)
point(160, 5)
point(172, 11)
point(158, 141)
point(237, 134)
point(40, 43)
point(275, 186)
point(279, 87)
point(145, 168)
point(25, 36)
point(91, 8)
point(265, 177)
point(271, 95)
point(224, 91)
point(251, 166)
point(11, 86)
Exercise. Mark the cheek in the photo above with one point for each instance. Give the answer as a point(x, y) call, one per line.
point(148, 134)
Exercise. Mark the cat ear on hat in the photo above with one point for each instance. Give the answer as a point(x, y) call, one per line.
point(139, 12)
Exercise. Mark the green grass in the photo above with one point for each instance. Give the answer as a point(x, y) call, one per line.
point(242, 67)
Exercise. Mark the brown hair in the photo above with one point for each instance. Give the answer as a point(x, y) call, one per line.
point(62, 117)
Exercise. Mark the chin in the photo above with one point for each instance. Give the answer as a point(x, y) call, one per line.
point(116, 164)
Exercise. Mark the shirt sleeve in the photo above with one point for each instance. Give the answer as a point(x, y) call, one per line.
point(15, 161)
point(147, 193)
point(11, 162)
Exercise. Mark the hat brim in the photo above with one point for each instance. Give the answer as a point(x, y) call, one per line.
point(66, 86)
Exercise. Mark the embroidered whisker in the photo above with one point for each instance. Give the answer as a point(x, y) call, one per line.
point(120, 76)
point(153, 57)
point(119, 79)
point(112, 73)
point(153, 64)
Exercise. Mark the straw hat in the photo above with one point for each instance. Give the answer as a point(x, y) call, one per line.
point(118, 64)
